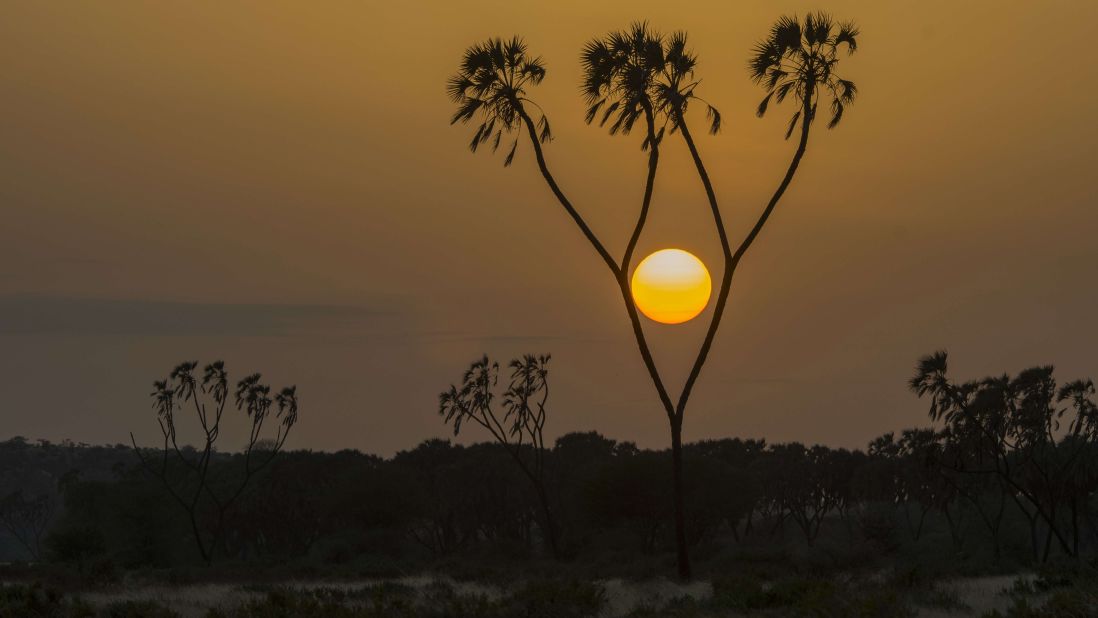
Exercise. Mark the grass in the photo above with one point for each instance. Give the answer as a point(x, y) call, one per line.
point(910, 591)
point(1057, 591)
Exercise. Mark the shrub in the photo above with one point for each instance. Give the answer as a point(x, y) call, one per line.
point(35, 601)
point(136, 609)
point(801, 596)
point(738, 592)
point(555, 599)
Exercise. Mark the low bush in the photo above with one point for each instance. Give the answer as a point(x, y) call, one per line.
point(801, 596)
point(36, 601)
point(136, 609)
point(535, 599)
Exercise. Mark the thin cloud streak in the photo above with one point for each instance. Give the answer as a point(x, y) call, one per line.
point(29, 315)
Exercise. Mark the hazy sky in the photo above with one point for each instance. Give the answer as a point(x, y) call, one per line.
point(276, 184)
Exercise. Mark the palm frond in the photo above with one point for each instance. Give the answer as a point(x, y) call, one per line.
point(836, 113)
point(847, 90)
point(714, 116)
point(765, 56)
point(609, 111)
point(760, 111)
point(782, 91)
point(792, 124)
point(511, 155)
point(593, 110)
point(477, 138)
point(848, 34)
point(785, 35)
point(545, 134)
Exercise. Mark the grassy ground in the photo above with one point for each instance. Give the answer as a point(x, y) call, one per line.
point(838, 576)
point(1074, 594)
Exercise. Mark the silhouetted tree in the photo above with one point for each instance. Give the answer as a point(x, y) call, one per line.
point(629, 76)
point(26, 519)
point(1012, 427)
point(185, 472)
point(800, 486)
point(521, 427)
point(625, 493)
point(740, 487)
point(444, 519)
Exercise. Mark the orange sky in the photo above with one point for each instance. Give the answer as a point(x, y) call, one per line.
point(276, 184)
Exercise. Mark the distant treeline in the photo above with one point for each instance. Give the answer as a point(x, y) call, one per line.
point(1010, 471)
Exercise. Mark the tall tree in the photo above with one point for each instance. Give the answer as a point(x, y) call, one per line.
point(640, 74)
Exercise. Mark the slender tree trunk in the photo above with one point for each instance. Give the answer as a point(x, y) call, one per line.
point(537, 479)
point(207, 555)
point(621, 275)
point(1034, 540)
point(550, 522)
point(730, 262)
point(680, 512)
point(675, 412)
point(999, 523)
point(922, 520)
point(1048, 543)
point(954, 533)
point(907, 519)
point(1075, 525)
point(532, 131)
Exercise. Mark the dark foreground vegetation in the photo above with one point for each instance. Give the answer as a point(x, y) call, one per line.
point(1004, 483)
point(1054, 595)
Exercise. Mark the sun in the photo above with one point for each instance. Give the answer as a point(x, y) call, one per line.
point(671, 286)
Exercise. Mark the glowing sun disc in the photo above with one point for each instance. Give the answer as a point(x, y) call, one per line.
point(671, 286)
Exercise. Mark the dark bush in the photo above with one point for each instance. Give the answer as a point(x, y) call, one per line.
point(36, 601)
point(136, 609)
point(555, 599)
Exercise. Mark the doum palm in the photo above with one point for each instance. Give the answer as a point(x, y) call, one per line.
point(640, 75)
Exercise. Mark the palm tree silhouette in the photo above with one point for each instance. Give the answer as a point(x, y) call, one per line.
point(640, 74)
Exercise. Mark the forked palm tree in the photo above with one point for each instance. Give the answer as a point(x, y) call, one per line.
point(639, 74)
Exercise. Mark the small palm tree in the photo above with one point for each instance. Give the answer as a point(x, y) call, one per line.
point(188, 476)
point(520, 430)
